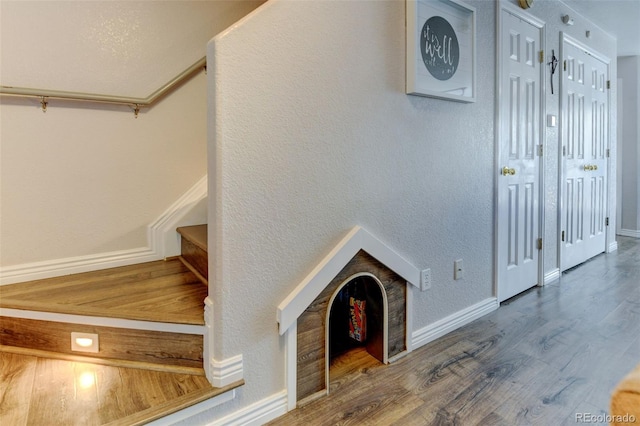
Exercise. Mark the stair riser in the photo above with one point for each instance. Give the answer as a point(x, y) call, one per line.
point(155, 347)
point(196, 257)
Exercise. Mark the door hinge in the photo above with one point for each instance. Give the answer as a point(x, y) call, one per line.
point(606, 221)
point(564, 64)
point(540, 150)
point(541, 56)
point(608, 152)
point(562, 235)
point(539, 243)
point(608, 84)
point(564, 151)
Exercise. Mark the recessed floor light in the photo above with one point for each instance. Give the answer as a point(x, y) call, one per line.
point(84, 342)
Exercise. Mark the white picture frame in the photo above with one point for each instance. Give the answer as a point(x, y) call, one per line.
point(441, 49)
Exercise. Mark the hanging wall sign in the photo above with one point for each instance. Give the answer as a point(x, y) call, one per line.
point(441, 49)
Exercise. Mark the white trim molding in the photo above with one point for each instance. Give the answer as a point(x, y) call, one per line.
point(208, 338)
point(75, 265)
point(258, 413)
point(448, 324)
point(551, 276)
point(227, 371)
point(162, 242)
point(357, 239)
point(291, 364)
point(634, 233)
point(189, 209)
point(190, 412)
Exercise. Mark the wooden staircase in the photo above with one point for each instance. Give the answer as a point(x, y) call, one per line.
point(149, 323)
point(193, 247)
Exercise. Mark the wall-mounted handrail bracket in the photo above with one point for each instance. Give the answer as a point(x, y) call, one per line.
point(43, 103)
point(136, 110)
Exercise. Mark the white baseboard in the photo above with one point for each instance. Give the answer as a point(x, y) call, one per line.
point(190, 209)
point(629, 233)
point(448, 324)
point(551, 276)
point(162, 242)
point(256, 414)
point(194, 410)
point(225, 372)
point(612, 247)
point(75, 265)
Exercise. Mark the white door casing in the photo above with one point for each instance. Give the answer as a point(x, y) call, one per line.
point(520, 108)
point(583, 158)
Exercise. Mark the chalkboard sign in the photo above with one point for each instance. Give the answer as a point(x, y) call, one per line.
point(441, 49)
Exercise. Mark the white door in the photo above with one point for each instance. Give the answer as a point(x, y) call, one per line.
point(585, 139)
point(518, 216)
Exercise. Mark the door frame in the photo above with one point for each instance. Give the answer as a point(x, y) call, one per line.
point(541, 25)
point(564, 37)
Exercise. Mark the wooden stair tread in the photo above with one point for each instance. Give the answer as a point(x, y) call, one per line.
point(58, 392)
point(196, 234)
point(142, 372)
point(160, 291)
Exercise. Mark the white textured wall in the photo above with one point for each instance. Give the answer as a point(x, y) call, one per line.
point(84, 179)
point(629, 73)
point(80, 181)
point(127, 48)
point(311, 134)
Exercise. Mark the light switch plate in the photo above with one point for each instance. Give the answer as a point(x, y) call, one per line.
point(458, 269)
point(425, 279)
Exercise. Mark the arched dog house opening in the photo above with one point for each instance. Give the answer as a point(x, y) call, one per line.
point(323, 325)
point(356, 321)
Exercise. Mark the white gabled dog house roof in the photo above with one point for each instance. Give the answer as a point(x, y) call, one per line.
point(357, 239)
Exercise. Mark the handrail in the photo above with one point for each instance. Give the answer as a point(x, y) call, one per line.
point(137, 103)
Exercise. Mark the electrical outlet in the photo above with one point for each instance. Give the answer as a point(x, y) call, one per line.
point(425, 279)
point(458, 269)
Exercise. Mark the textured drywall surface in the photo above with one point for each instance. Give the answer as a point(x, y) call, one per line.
point(312, 133)
point(86, 179)
point(629, 72)
point(127, 48)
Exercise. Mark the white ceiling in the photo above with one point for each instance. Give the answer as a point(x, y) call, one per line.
point(620, 18)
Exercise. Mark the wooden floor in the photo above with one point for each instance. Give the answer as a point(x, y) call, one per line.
point(40, 391)
point(49, 386)
point(540, 359)
point(162, 291)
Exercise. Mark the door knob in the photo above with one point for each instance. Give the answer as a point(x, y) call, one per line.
point(588, 167)
point(594, 167)
point(507, 171)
